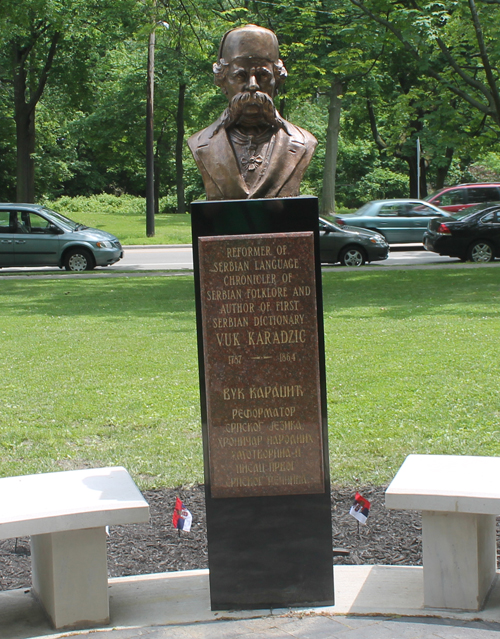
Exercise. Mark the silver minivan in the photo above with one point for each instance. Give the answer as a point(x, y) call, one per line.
point(33, 235)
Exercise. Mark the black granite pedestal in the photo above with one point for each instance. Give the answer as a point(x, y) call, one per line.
point(269, 530)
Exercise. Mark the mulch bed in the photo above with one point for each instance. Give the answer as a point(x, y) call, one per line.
point(389, 537)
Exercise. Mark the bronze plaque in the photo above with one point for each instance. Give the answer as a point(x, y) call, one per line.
point(260, 340)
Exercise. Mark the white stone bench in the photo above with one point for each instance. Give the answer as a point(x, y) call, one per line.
point(66, 514)
point(459, 497)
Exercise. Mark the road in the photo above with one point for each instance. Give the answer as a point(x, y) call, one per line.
point(180, 258)
point(155, 257)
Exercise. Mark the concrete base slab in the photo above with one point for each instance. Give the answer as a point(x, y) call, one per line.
point(183, 597)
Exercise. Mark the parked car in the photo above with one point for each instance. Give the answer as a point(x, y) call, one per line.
point(350, 247)
point(472, 234)
point(399, 221)
point(32, 235)
point(461, 196)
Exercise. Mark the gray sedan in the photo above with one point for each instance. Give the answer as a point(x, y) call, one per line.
point(350, 247)
point(399, 221)
point(32, 235)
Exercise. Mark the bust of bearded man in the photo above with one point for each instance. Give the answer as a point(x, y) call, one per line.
point(251, 151)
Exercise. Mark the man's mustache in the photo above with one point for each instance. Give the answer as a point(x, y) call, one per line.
point(254, 98)
point(268, 112)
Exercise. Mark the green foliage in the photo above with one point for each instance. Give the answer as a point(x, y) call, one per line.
point(7, 151)
point(486, 168)
point(445, 45)
point(104, 204)
point(362, 174)
point(125, 217)
point(381, 183)
point(90, 118)
point(491, 161)
point(61, 44)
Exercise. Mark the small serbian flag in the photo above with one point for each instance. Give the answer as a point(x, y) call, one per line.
point(360, 508)
point(182, 517)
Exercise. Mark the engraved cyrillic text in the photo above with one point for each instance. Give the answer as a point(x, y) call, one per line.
point(260, 340)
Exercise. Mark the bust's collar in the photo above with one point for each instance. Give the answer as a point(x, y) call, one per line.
point(241, 136)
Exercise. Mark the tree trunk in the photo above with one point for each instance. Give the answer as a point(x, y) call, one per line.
point(442, 171)
point(413, 175)
point(25, 133)
point(24, 114)
point(179, 144)
point(412, 171)
point(25, 138)
point(423, 178)
point(332, 147)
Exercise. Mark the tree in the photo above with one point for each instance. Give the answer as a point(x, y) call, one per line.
point(7, 150)
point(321, 46)
point(32, 43)
point(32, 34)
point(455, 43)
point(193, 29)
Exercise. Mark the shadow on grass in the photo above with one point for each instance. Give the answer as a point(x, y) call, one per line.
point(471, 293)
point(111, 298)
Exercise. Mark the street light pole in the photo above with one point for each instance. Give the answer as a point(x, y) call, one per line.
point(150, 180)
point(150, 154)
point(418, 168)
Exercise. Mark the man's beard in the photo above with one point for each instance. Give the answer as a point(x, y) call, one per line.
point(266, 116)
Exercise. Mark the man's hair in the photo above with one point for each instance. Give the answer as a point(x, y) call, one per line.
point(220, 71)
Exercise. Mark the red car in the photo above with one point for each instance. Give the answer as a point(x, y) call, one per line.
point(461, 196)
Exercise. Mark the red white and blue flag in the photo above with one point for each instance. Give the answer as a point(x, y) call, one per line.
point(360, 508)
point(182, 517)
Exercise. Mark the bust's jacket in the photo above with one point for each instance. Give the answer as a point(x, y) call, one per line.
point(288, 159)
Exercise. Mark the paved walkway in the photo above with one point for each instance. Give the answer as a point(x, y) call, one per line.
point(316, 627)
point(371, 602)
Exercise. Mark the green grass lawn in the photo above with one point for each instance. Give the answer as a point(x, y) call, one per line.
point(124, 217)
point(131, 229)
point(104, 371)
point(413, 367)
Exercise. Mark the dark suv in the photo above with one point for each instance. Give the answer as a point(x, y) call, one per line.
point(456, 198)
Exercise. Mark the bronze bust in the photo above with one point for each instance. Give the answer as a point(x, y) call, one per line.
point(251, 151)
